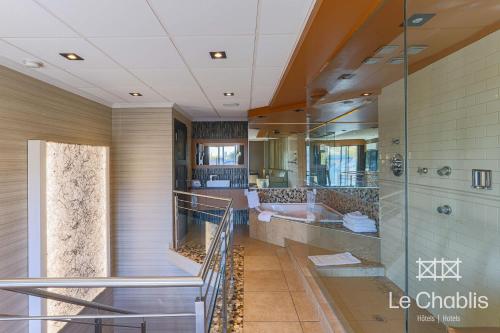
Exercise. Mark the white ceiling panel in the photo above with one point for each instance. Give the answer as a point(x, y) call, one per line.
point(106, 78)
point(142, 52)
point(107, 18)
point(283, 16)
point(171, 77)
point(185, 96)
point(197, 112)
point(266, 76)
point(104, 95)
point(148, 95)
point(48, 49)
point(216, 81)
point(274, 50)
point(207, 17)
point(231, 104)
point(239, 50)
point(261, 95)
point(25, 18)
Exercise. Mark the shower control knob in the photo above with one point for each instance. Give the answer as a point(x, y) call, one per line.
point(444, 171)
point(445, 209)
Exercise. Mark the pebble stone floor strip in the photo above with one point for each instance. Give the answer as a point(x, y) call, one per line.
point(196, 252)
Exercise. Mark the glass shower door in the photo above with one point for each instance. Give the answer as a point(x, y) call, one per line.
point(452, 188)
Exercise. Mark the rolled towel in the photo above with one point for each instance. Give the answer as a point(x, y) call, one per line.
point(265, 216)
point(359, 222)
point(356, 215)
point(253, 199)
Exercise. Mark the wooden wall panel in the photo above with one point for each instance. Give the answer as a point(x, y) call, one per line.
point(31, 109)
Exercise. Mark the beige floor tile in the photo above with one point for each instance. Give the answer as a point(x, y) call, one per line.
point(294, 281)
point(265, 281)
point(261, 263)
point(306, 310)
point(272, 327)
point(268, 306)
point(312, 327)
point(253, 249)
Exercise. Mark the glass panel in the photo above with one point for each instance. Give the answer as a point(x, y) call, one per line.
point(453, 127)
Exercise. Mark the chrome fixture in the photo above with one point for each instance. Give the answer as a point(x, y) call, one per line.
point(397, 165)
point(395, 141)
point(213, 177)
point(422, 171)
point(444, 171)
point(444, 209)
point(419, 19)
point(481, 179)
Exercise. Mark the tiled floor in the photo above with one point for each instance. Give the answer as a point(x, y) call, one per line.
point(274, 300)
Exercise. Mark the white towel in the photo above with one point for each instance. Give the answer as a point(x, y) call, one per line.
point(359, 223)
point(360, 228)
point(345, 258)
point(253, 199)
point(265, 216)
point(356, 215)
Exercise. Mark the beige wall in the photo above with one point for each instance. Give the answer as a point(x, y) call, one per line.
point(30, 109)
point(142, 182)
point(454, 108)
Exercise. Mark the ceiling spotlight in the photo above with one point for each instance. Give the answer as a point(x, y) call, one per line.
point(418, 20)
point(299, 110)
point(371, 60)
point(386, 49)
point(396, 61)
point(135, 94)
point(229, 94)
point(218, 54)
point(366, 94)
point(71, 56)
point(32, 63)
point(415, 49)
point(346, 76)
point(261, 116)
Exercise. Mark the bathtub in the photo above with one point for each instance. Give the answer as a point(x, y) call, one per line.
point(298, 212)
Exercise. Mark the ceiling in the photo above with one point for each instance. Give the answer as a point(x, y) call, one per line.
point(159, 48)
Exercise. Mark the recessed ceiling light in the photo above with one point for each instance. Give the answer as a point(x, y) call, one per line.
point(299, 110)
point(418, 20)
point(135, 94)
point(346, 76)
point(261, 116)
point(366, 94)
point(415, 49)
point(71, 56)
point(218, 54)
point(32, 63)
point(386, 49)
point(371, 60)
point(229, 94)
point(396, 61)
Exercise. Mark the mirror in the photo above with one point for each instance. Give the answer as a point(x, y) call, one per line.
point(219, 154)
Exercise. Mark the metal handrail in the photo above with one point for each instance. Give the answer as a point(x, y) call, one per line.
point(26, 285)
point(68, 299)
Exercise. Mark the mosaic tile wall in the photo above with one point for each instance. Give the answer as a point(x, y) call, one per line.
point(219, 130)
point(344, 200)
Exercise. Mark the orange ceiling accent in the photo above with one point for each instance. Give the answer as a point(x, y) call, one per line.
point(330, 26)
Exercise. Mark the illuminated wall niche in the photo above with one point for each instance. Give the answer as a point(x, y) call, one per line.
point(68, 221)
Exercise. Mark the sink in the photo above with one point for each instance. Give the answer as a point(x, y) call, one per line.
point(218, 183)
